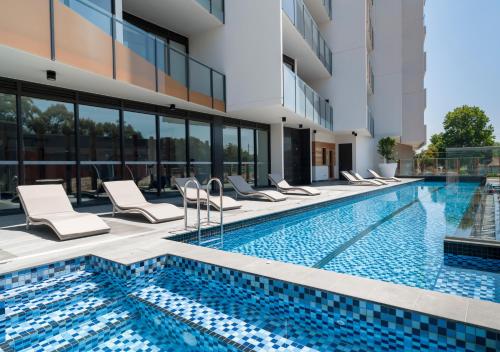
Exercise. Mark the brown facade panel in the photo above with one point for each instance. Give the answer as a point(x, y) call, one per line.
point(219, 105)
point(317, 151)
point(25, 25)
point(200, 98)
point(80, 43)
point(133, 68)
point(168, 85)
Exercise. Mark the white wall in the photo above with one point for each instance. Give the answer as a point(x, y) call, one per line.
point(248, 49)
point(387, 102)
point(346, 90)
point(366, 155)
point(413, 55)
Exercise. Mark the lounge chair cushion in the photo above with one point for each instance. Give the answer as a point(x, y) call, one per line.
point(228, 202)
point(72, 225)
point(242, 186)
point(44, 199)
point(124, 193)
point(277, 196)
point(162, 211)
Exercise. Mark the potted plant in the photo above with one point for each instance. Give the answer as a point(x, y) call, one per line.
point(386, 149)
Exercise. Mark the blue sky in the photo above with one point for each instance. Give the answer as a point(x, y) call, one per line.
point(463, 59)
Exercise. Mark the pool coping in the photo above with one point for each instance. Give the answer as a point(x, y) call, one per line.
point(442, 305)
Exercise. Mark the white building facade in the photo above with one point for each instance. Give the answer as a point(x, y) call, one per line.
point(167, 88)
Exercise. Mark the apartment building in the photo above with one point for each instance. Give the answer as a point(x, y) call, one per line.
point(96, 90)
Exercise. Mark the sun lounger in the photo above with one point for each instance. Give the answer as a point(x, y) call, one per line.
point(49, 205)
point(243, 189)
point(378, 177)
point(227, 202)
point(361, 178)
point(354, 181)
point(283, 186)
point(127, 198)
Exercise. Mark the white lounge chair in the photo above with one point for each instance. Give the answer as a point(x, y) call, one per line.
point(228, 203)
point(361, 178)
point(127, 198)
point(378, 177)
point(354, 181)
point(284, 187)
point(243, 189)
point(49, 205)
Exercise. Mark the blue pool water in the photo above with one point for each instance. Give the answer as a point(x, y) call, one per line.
point(191, 308)
point(396, 236)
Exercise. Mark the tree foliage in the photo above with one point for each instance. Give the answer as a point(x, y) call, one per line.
point(465, 126)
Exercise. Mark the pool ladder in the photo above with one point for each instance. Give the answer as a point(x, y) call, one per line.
point(198, 209)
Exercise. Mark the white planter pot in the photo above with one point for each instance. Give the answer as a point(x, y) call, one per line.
point(388, 170)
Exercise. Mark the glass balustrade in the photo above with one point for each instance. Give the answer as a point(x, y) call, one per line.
point(302, 19)
point(89, 37)
point(215, 7)
point(302, 99)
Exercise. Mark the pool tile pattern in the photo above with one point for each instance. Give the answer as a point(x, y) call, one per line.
point(204, 306)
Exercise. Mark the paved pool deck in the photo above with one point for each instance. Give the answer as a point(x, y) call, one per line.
point(132, 239)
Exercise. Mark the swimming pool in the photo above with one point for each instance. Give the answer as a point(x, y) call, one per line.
point(172, 303)
point(394, 236)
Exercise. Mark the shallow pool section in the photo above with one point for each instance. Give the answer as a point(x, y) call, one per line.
point(176, 304)
point(395, 236)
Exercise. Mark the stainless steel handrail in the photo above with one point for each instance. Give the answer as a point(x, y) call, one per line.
point(197, 184)
point(221, 205)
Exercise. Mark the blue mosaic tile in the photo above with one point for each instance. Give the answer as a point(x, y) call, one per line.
point(394, 236)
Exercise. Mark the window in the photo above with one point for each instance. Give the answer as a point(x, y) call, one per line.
point(230, 145)
point(8, 127)
point(200, 150)
point(172, 150)
point(48, 130)
point(99, 149)
point(139, 134)
point(49, 143)
point(323, 156)
point(99, 134)
point(247, 150)
point(8, 151)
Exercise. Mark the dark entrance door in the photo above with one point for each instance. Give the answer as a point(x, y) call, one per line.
point(297, 155)
point(345, 158)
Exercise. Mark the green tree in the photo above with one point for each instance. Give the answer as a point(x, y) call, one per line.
point(467, 126)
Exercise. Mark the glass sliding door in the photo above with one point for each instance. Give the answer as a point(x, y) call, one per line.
point(99, 149)
point(139, 135)
point(200, 151)
point(8, 152)
point(49, 143)
point(262, 157)
point(172, 151)
point(231, 148)
point(247, 152)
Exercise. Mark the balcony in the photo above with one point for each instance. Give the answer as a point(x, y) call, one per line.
point(88, 38)
point(303, 100)
point(215, 7)
point(304, 22)
point(320, 9)
point(186, 17)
